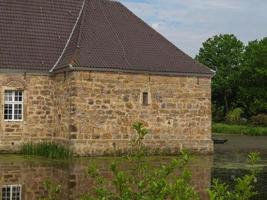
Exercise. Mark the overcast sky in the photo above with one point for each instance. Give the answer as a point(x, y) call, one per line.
point(187, 23)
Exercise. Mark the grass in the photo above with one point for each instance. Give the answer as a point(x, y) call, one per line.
point(239, 129)
point(47, 149)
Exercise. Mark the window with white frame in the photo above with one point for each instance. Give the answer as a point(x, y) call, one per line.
point(11, 192)
point(13, 106)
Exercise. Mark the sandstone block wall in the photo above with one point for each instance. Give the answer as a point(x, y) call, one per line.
point(93, 111)
point(38, 110)
point(105, 105)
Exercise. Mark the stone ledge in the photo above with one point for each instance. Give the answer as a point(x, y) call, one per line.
point(119, 147)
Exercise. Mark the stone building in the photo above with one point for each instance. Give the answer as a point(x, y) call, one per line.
point(82, 71)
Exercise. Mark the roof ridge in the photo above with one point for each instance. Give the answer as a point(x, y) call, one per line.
point(69, 39)
point(82, 24)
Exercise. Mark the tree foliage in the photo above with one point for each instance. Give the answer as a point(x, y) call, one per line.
point(223, 53)
point(252, 93)
point(241, 74)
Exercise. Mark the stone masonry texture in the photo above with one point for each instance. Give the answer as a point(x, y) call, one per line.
point(93, 112)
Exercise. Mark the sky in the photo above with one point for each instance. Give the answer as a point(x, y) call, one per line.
point(188, 23)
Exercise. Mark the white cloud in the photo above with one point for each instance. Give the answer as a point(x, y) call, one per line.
point(187, 23)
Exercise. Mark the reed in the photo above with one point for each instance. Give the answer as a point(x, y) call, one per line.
point(47, 149)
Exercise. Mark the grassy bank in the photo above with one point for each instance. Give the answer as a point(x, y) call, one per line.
point(239, 129)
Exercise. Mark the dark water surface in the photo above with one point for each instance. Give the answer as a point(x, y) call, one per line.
point(23, 177)
point(230, 160)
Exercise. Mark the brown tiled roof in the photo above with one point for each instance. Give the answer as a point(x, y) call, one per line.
point(34, 32)
point(88, 34)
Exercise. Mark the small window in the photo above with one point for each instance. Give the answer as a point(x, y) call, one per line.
point(11, 192)
point(13, 108)
point(145, 98)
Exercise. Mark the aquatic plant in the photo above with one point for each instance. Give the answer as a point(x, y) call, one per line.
point(47, 149)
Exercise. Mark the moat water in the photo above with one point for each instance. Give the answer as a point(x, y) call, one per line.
point(23, 177)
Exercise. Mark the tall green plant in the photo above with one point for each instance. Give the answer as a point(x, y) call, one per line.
point(144, 180)
point(47, 149)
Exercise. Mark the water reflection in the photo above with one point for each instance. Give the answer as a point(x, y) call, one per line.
point(230, 160)
point(22, 178)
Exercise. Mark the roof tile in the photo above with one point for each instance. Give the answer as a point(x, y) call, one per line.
point(107, 36)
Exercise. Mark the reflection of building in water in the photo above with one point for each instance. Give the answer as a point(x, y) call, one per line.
point(30, 177)
point(25, 179)
point(11, 192)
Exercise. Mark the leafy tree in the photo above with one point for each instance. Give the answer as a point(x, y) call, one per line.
point(223, 53)
point(252, 94)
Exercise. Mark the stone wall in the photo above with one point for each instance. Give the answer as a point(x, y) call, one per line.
point(106, 105)
point(38, 110)
point(62, 105)
point(94, 111)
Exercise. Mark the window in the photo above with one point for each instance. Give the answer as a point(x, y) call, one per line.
point(13, 108)
point(145, 98)
point(11, 192)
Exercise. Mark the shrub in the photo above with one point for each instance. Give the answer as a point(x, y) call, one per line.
point(234, 116)
point(147, 182)
point(143, 180)
point(258, 106)
point(47, 149)
point(260, 119)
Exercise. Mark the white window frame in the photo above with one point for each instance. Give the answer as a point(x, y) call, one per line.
point(13, 103)
point(11, 191)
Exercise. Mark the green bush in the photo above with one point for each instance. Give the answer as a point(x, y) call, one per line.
point(143, 180)
point(260, 119)
point(234, 116)
point(172, 181)
point(46, 149)
point(258, 106)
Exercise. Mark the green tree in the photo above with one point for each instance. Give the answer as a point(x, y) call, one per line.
point(252, 93)
point(224, 54)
